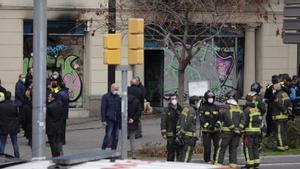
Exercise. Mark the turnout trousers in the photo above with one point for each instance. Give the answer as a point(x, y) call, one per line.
point(174, 150)
point(280, 134)
point(232, 140)
point(251, 144)
point(208, 139)
point(188, 148)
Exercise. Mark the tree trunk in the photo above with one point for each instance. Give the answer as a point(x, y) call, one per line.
point(181, 85)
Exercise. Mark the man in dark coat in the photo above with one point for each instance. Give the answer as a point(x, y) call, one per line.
point(111, 116)
point(54, 124)
point(29, 77)
point(27, 111)
point(138, 92)
point(64, 96)
point(20, 90)
point(9, 123)
point(134, 113)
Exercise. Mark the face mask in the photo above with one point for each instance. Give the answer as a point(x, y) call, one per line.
point(210, 100)
point(23, 80)
point(114, 92)
point(174, 102)
point(55, 76)
point(54, 86)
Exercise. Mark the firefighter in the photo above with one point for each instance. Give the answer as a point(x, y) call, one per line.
point(211, 125)
point(232, 119)
point(169, 120)
point(253, 113)
point(187, 131)
point(281, 111)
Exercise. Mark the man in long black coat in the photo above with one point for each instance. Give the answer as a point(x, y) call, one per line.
point(54, 124)
point(136, 91)
point(134, 113)
point(9, 123)
point(27, 112)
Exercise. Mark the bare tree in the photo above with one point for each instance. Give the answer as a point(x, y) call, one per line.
point(189, 23)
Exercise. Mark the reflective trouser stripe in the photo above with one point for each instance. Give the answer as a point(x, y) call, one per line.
point(256, 161)
point(187, 154)
point(218, 151)
point(247, 154)
point(279, 136)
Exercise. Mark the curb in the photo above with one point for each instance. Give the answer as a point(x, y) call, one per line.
point(263, 159)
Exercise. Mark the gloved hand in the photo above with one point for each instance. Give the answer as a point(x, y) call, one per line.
point(180, 134)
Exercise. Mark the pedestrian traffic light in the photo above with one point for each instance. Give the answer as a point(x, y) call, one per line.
point(112, 49)
point(135, 41)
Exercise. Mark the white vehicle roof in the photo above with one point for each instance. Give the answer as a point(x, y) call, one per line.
point(119, 164)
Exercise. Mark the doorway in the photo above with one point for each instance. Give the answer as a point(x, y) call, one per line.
point(154, 65)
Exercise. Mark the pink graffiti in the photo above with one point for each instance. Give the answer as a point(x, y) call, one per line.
point(224, 66)
point(74, 85)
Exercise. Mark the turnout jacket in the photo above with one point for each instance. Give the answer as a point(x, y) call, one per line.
point(210, 117)
point(253, 113)
point(188, 121)
point(232, 118)
point(282, 104)
point(170, 120)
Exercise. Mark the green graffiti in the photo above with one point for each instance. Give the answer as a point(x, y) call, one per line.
point(202, 67)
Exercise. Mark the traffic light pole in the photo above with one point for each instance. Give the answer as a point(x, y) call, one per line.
point(39, 79)
point(124, 69)
point(111, 75)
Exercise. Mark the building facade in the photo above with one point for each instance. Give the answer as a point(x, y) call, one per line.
point(76, 49)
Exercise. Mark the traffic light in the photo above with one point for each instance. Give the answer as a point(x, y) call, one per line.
point(112, 49)
point(135, 41)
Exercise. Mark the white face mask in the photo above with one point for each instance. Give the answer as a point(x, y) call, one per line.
point(55, 76)
point(23, 80)
point(174, 102)
point(210, 100)
point(114, 92)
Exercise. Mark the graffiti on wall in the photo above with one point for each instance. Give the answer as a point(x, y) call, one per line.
point(215, 64)
point(61, 57)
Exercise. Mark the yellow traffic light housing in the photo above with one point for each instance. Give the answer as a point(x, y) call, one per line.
point(112, 49)
point(135, 41)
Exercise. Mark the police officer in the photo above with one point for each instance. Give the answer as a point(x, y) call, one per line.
point(253, 113)
point(211, 125)
point(188, 122)
point(232, 125)
point(281, 111)
point(169, 120)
